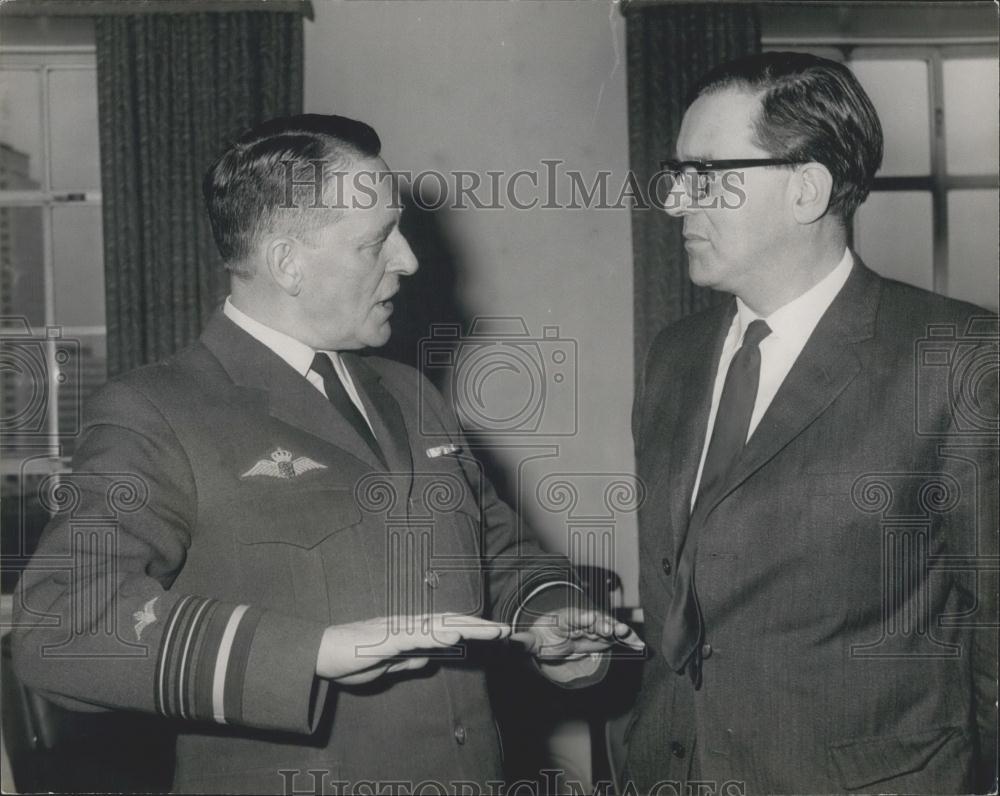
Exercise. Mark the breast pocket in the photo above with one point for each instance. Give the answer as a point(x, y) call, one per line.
point(303, 518)
point(299, 552)
point(929, 761)
point(445, 509)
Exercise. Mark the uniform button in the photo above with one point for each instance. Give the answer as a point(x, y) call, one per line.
point(677, 749)
point(667, 568)
point(432, 579)
point(706, 650)
point(460, 735)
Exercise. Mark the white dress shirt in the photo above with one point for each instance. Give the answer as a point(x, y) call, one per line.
point(791, 325)
point(297, 354)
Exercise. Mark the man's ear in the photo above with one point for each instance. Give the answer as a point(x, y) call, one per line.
point(282, 257)
point(812, 187)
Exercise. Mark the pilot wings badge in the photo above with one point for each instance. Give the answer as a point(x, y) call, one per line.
point(283, 465)
point(144, 618)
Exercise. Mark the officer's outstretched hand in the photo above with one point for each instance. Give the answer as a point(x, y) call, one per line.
point(574, 633)
point(359, 652)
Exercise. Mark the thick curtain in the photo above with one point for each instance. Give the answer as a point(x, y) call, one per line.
point(173, 89)
point(669, 47)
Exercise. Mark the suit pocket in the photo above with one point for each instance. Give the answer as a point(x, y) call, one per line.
point(300, 518)
point(886, 760)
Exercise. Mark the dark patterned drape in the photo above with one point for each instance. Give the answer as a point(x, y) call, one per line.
point(670, 46)
point(172, 90)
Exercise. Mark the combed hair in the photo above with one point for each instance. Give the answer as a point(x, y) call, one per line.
point(246, 190)
point(812, 109)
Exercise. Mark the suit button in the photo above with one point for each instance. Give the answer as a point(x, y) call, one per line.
point(432, 579)
point(667, 568)
point(706, 650)
point(460, 735)
point(677, 749)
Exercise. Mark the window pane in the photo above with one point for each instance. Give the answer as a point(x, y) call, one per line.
point(22, 289)
point(898, 89)
point(971, 110)
point(83, 375)
point(79, 265)
point(973, 252)
point(20, 130)
point(22, 515)
point(892, 232)
point(73, 114)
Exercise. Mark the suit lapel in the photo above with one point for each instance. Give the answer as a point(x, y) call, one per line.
point(287, 395)
point(827, 364)
point(690, 423)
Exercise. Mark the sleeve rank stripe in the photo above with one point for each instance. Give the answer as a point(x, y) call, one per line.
point(222, 663)
point(160, 695)
point(180, 683)
point(178, 644)
point(239, 657)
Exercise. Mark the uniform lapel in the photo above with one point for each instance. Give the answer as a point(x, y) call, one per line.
point(288, 396)
point(828, 363)
point(384, 412)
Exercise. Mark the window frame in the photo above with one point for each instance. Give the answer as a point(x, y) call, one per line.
point(939, 182)
point(44, 60)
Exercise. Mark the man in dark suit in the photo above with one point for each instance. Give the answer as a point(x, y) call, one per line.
point(281, 543)
point(818, 546)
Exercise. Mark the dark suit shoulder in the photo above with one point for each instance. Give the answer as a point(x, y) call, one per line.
point(687, 336)
point(904, 306)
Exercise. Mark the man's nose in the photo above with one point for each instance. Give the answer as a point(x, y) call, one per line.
point(678, 202)
point(402, 260)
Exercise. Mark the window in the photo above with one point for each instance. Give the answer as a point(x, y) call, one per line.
point(933, 217)
point(52, 330)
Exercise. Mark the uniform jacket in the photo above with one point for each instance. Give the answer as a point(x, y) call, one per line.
point(220, 515)
point(843, 574)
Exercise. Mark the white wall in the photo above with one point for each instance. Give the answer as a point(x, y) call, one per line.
point(500, 86)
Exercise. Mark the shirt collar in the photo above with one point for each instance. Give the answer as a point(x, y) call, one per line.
point(795, 321)
point(296, 353)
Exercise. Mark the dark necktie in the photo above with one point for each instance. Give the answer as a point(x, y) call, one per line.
point(682, 629)
point(337, 394)
point(732, 419)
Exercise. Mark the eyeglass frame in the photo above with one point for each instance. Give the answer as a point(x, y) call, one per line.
point(677, 168)
point(725, 165)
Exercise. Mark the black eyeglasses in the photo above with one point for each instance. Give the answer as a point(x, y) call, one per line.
point(698, 176)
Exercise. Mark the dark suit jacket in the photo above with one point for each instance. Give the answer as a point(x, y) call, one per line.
point(851, 641)
point(173, 579)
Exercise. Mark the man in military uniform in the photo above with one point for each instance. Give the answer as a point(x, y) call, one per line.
point(301, 557)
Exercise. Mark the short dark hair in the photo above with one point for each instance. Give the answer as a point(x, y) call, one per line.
point(812, 109)
point(245, 189)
